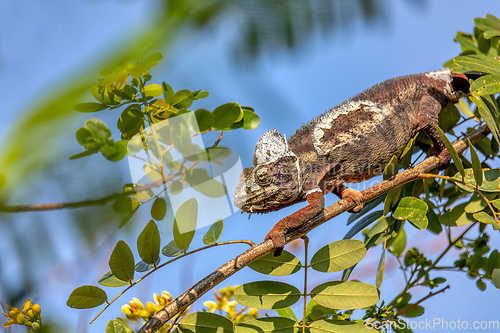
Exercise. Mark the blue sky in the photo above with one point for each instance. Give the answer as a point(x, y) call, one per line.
point(44, 44)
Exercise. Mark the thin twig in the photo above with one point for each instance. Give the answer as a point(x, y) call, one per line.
point(258, 251)
point(414, 305)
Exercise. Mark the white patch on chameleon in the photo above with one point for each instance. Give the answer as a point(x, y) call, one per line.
point(443, 75)
point(270, 147)
point(325, 122)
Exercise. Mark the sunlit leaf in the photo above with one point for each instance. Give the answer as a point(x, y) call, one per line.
point(118, 326)
point(391, 168)
point(490, 181)
point(268, 324)
point(455, 217)
point(380, 270)
point(109, 280)
point(185, 223)
point(88, 107)
point(204, 119)
point(153, 90)
point(267, 294)
point(413, 210)
point(338, 326)
point(285, 264)
point(205, 322)
point(122, 262)
point(478, 62)
point(159, 209)
point(171, 250)
point(486, 85)
point(250, 120)
point(148, 243)
point(85, 297)
point(454, 156)
point(226, 115)
point(213, 233)
point(338, 255)
point(345, 295)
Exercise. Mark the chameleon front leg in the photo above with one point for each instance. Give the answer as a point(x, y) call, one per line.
point(316, 204)
point(428, 112)
point(344, 192)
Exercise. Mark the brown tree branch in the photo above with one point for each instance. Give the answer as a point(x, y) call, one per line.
point(259, 250)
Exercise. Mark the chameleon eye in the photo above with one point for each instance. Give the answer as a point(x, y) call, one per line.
point(261, 176)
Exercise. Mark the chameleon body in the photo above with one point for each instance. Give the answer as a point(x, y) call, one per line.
point(351, 142)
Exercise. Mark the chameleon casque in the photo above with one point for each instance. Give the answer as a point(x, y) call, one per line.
point(349, 143)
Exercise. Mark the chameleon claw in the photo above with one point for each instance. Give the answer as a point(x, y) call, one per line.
point(278, 241)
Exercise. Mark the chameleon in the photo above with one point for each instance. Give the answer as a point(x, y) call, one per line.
point(349, 143)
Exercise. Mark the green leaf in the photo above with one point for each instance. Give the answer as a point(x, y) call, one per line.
point(416, 312)
point(476, 165)
point(153, 90)
point(131, 120)
point(286, 313)
point(476, 204)
point(148, 243)
point(114, 151)
point(496, 203)
point(485, 218)
point(380, 270)
point(481, 285)
point(455, 217)
point(486, 114)
point(345, 295)
point(182, 99)
point(266, 294)
point(285, 264)
point(200, 180)
point(448, 117)
point(109, 280)
point(490, 181)
point(405, 158)
point(391, 168)
point(117, 326)
point(269, 324)
point(90, 107)
point(124, 205)
point(479, 63)
point(464, 107)
point(486, 85)
point(127, 217)
point(141, 266)
point(454, 156)
point(434, 225)
point(398, 244)
point(159, 209)
point(338, 326)
point(168, 92)
point(99, 131)
point(226, 115)
point(205, 119)
point(338, 255)
point(493, 262)
point(205, 322)
point(122, 262)
point(3, 180)
point(391, 199)
point(413, 210)
point(171, 250)
point(201, 94)
point(185, 223)
point(213, 233)
point(495, 278)
point(86, 297)
point(84, 154)
point(250, 120)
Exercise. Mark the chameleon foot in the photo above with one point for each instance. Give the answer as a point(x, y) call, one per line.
point(444, 157)
point(278, 239)
point(356, 196)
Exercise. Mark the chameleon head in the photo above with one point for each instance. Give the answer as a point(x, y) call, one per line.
point(274, 182)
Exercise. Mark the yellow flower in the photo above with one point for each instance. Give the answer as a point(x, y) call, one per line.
point(211, 305)
point(26, 305)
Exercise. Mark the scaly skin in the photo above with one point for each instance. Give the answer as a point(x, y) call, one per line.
point(349, 143)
